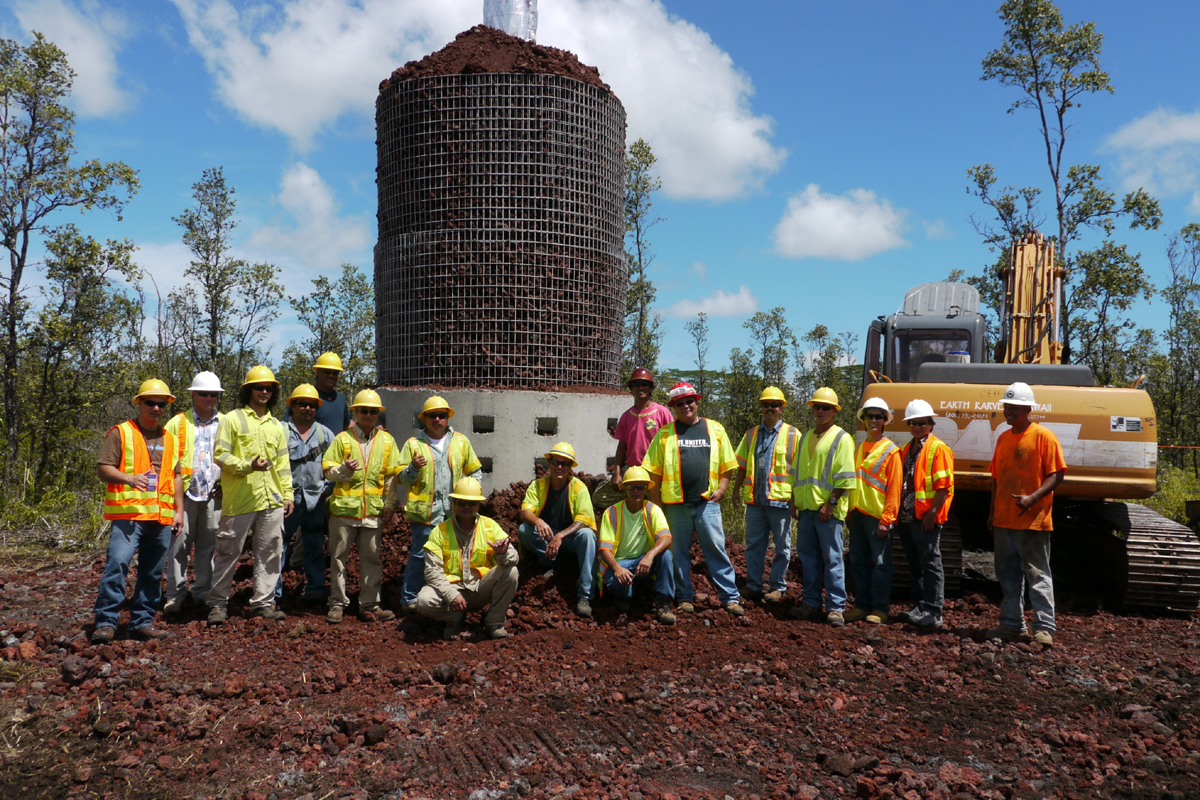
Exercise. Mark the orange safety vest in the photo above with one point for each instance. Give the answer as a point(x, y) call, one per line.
point(924, 476)
point(126, 502)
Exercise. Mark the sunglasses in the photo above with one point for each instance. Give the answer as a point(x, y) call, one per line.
point(304, 404)
point(155, 403)
point(437, 415)
point(641, 384)
point(822, 407)
point(686, 401)
point(875, 416)
point(206, 394)
point(919, 423)
point(466, 503)
point(558, 463)
point(367, 410)
point(263, 387)
point(771, 405)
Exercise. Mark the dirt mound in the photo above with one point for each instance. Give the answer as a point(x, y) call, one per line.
point(484, 49)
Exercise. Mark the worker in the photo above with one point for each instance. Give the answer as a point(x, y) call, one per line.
point(307, 442)
point(334, 412)
point(485, 576)
point(557, 519)
point(431, 463)
point(635, 546)
point(362, 462)
point(928, 468)
point(639, 423)
point(823, 476)
point(874, 502)
point(195, 433)
point(1026, 467)
point(764, 457)
point(138, 462)
point(256, 495)
point(692, 461)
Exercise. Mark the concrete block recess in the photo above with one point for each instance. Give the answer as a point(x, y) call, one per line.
point(516, 427)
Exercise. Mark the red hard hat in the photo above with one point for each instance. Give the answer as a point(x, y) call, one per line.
point(641, 374)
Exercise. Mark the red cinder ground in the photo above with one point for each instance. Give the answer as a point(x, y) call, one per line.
point(762, 706)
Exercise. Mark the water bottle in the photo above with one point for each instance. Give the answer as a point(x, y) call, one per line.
point(152, 486)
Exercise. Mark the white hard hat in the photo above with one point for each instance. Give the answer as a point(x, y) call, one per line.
point(1019, 394)
point(205, 382)
point(878, 404)
point(918, 409)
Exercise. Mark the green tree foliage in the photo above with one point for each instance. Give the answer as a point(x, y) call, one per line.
point(340, 317)
point(826, 360)
point(698, 330)
point(643, 327)
point(37, 178)
point(1053, 67)
point(1173, 374)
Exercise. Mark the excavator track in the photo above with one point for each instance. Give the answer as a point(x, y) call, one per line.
point(952, 556)
point(1161, 557)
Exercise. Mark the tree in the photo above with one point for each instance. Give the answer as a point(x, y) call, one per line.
point(643, 327)
point(1174, 374)
point(826, 360)
point(1107, 339)
point(698, 329)
point(773, 341)
point(37, 144)
point(1053, 67)
point(340, 317)
point(224, 311)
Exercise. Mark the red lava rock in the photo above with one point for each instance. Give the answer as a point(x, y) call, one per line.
point(83, 774)
point(27, 650)
point(374, 734)
point(840, 764)
point(75, 670)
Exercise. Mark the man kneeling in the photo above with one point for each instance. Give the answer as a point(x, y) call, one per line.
point(635, 544)
point(487, 576)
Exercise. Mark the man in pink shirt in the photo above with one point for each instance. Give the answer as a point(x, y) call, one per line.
point(638, 424)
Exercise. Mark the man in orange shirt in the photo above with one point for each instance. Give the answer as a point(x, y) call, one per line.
point(1026, 467)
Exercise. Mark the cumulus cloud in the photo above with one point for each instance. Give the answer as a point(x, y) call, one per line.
point(682, 93)
point(847, 227)
point(1159, 152)
point(90, 34)
point(321, 239)
point(718, 304)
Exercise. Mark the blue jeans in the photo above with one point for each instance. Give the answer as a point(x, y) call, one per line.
point(703, 519)
point(1023, 559)
point(870, 563)
point(662, 574)
point(924, 553)
point(763, 523)
point(150, 540)
point(311, 522)
point(819, 545)
point(581, 544)
point(414, 570)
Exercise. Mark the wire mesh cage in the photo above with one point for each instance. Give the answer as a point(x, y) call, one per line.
point(500, 259)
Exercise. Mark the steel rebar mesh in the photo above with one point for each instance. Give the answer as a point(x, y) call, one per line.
point(500, 259)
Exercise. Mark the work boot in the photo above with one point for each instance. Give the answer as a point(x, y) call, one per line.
point(498, 633)
point(385, 615)
point(735, 609)
point(664, 614)
point(773, 596)
point(584, 607)
point(150, 632)
point(836, 619)
point(267, 612)
point(877, 618)
point(1044, 638)
point(454, 628)
point(855, 614)
point(1002, 632)
point(103, 635)
point(686, 607)
point(334, 615)
point(907, 616)
point(174, 607)
point(217, 616)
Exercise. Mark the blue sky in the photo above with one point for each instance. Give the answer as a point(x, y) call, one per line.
point(813, 155)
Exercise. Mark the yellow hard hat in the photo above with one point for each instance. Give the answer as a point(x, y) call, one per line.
point(306, 391)
point(772, 393)
point(154, 387)
point(637, 475)
point(563, 450)
point(367, 398)
point(435, 403)
point(328, 361)
point(260, 374)
point(468, 489)
point(827, 396)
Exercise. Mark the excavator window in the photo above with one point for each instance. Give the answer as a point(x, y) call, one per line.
point(916, 347)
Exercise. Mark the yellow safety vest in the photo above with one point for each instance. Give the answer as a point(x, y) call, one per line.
point(870, 496)
point(778, 480)
point(663, 460)
point(362, 495)
point(581, 502)
point(126, 502)
point(830, 467)
point(444, 542)
point(187, 442)
point(419, 506)
point(612, 527)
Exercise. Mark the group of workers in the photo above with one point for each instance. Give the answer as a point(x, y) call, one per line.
point(204, 482)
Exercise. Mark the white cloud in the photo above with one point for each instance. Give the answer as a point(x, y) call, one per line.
point(718, 304)
point(162, 267)
point(936, 229)
point(682, 93)
point(1159, 152)
point(700, 270)
point(320, 240)
point(849, 227)
point(90, 34)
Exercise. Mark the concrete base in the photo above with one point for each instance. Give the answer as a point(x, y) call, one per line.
point(510, 429)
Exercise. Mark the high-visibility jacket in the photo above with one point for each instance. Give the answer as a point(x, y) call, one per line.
point(183, 427)
point(463, 461)
point(126, 502)
point(830, 467)
point(581, 502)
point(663, 460)
point(934, 470)
point(242, 436)
point(362, 495)
point(778, 482)
point(871, 493)
point(612, 528)
point(444, 542)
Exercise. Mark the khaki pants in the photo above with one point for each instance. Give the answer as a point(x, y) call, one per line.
point(496, 590)
point(342, 535)
point(267, 546)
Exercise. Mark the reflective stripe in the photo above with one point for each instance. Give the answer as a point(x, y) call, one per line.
point(779, 474)
point(924, 490)
point(362, 495)
point(826, 480)
point(125, 502)
point(871, 493)
point(452, 563)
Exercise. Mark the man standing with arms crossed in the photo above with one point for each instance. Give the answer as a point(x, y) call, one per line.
point(1027, 465)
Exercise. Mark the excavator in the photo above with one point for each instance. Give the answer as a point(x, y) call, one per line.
point(1106, 551)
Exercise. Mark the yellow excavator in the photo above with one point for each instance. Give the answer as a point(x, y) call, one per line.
point(1105, 551)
